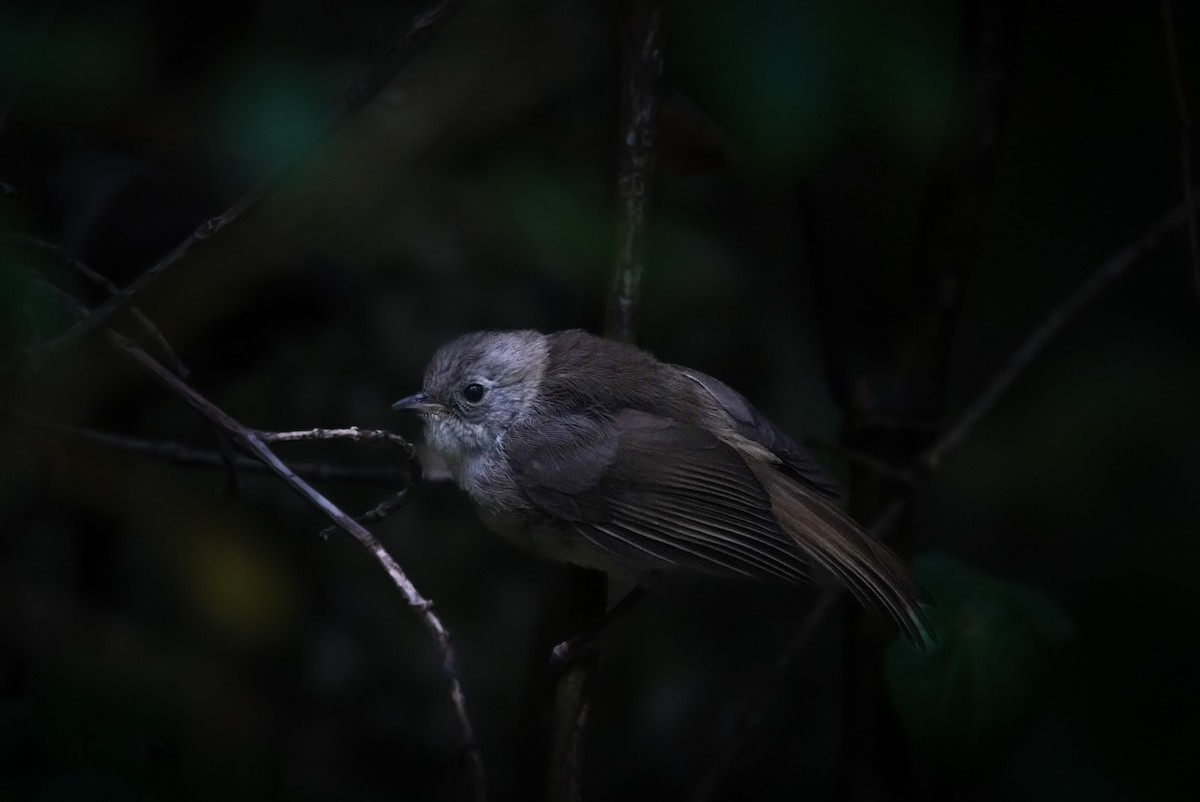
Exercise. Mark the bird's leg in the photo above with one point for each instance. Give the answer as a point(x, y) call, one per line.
point(583, 642)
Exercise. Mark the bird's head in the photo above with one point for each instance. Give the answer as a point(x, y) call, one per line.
point(475, 388)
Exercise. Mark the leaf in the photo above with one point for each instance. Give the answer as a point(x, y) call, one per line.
point(973, 696)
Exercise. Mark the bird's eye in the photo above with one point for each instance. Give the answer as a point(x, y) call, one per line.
point(473, 393)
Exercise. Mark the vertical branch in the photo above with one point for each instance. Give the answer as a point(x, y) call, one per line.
point(572, 705)
point(641, 73)
point(1185, 137)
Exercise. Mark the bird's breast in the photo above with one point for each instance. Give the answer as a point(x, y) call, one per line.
point(486, 479)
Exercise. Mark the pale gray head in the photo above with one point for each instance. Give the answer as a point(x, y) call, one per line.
point(475, 388)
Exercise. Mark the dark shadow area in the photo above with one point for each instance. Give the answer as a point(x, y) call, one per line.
point(861, 209)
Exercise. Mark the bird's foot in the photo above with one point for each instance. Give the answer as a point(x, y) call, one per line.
point(570, 652)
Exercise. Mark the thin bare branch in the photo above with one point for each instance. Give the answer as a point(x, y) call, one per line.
point(1185, 136)
point(1042, 334)
point(253, 443)
point(383, 509)
point(420, 32)
point(377, 513)
point(377, 436)
point(179, 454)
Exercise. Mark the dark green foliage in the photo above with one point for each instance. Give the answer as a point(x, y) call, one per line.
point(967, 701)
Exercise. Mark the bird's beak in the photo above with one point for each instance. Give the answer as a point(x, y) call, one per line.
point(416, 403)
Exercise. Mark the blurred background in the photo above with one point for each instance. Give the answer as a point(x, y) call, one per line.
point(845, 190)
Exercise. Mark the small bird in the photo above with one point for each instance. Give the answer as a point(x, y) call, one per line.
point(593, 452)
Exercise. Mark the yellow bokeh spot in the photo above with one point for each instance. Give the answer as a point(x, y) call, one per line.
point(237, 584)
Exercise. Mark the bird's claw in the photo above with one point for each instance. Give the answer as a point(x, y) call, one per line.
point(572, 651)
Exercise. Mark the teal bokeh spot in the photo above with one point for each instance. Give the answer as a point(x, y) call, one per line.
point(790, 81)
point(270, 112)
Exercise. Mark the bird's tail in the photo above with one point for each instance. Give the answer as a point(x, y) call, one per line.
point(870, 570)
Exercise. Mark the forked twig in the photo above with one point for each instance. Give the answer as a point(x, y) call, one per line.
point(383, 509)
point(252, 441)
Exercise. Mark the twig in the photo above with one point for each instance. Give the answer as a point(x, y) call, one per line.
point(180, 454)
point(420, 33)
point(384, 509)
point(252, 441)
point(377, 513)
point(1185, 137)
point(930, 459)
point(1044, 333)
point(377, 436)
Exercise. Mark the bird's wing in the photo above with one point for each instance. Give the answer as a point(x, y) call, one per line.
point(655, 492)
point(658, 493)
point(751, 424)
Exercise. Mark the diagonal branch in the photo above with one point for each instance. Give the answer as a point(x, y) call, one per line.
point(420, 32)
point(922, 468)
point(252, 442)
point(1044, 333)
